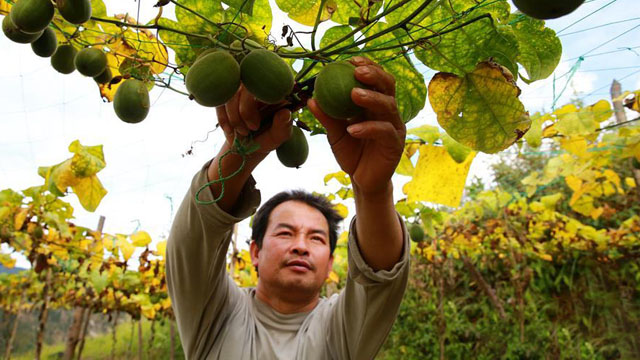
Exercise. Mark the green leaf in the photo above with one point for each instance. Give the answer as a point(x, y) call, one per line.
point(308, 119)
point(539, 47)
point(185, 54)
point(258, 22)
point(346, 9)
point(534, 135)
point(480, 110)
point(460, 50)
point(246, 6)
point(457, 151)
point(427, 133)
point(10, 197)
point(305, 12)
point(411, 91)
point(88, 160)
point(336, 33)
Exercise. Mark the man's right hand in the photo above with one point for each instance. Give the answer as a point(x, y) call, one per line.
point(244, 113)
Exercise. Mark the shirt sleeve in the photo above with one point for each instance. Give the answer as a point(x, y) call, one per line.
point(201, 292)
point(367, 307)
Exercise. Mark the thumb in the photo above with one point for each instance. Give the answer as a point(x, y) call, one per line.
point(281, 127)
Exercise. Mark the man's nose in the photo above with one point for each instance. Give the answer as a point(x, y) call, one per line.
point(299, 246)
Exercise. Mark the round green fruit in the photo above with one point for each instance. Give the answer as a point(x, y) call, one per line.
point(14, 34)
point(547, 9)
point(416, 233)
point(32, 16)
point(104, 77)
point(205, 52)
point(266, 76)
point(63, 59)
point(75, 11)
point(213, 79)
point(91, 62)
point(333, 90)
point(46, 44)
point(131, 102)
point(294, 151)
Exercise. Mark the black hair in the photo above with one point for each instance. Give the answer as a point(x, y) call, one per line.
point(318, 202)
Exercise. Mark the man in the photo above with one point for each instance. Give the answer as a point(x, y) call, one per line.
point(293, 239)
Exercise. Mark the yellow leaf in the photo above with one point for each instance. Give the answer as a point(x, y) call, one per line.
point(148, 311)
point(595, 213)
point(140, 239)
point(426, 133)
point(90, 192)
point(405, 167)
point(161, 248)
point(340, 176)
point(575, 145)
point(5, 7)
point(333, 277)
point(7, 261)
point(601, 110)
point(631, 183)
point(550, 201)
point(437, 177)
point(87, 160)
point(342, 210)
point(19, 218)
point(125, 247)
point(546, 257)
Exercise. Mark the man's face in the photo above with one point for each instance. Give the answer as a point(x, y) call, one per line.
point(295, 256)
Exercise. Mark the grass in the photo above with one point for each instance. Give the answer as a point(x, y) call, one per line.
point(99, 346)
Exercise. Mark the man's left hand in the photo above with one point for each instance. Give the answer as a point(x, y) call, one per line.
point(370, 149)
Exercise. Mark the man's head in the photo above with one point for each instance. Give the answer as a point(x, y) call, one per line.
point(294, 235)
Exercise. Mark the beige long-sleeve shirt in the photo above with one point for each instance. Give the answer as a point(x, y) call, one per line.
point(218, 320)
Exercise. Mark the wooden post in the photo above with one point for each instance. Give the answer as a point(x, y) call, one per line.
point(44, 313)
point(618, 107)
point(83, 334)
point(114, 339)
point(140, 343)
point(14, 329)
point(74, 332)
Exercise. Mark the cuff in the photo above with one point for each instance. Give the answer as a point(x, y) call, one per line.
point(362, 273)
point(246, 205)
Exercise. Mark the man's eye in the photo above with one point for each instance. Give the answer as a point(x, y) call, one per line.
point(284, 233)
point(318, 238)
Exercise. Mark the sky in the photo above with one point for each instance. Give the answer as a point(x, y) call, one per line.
point(147, 174)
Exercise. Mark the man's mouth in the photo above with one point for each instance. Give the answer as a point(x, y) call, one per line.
point(299, 265)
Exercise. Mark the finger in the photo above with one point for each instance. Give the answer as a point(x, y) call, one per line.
point(233, 113)
point(223, 121)
point(336, 128)
point(377, 78)
point(281, 127)
point(375, 130)
point(248, 109)
point(363, 61)
point(384, 106)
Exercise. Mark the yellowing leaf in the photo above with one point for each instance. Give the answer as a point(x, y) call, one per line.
point(340, 176)
point(333, 277)
point(342, 210)
point(534, 135)
point(161, 248)
point(405, 166)
point(19, 218)
point(630, 182)
point(125, 247)
point(595, 213)
point(457, 151)
point(480, 110)
point(7, 261)
point(575, 145)
point(87, 160)
point(141, 239)
point(90, 192)
point(426, 133)
point(550, 201)
point(437, 177)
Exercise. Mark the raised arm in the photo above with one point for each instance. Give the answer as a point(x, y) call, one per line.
point(202, 293)
point(369, 152)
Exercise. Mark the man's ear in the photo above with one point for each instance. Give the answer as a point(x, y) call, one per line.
point(254, 251)
point(330, 265)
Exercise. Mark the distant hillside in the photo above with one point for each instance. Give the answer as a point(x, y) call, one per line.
point(10, 271)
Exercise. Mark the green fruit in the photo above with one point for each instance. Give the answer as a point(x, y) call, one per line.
point(14, 34)
point(266, 76)
point(131, 102)
point(635, 163)
point(91, 62)
point(38, 233)
point(416, 233)
point(63, 59)
point(213, 79)
point(75, 11)
point(104, 77)
point(547, 9)
point(241, 49)
point(294, 151)
point(333, 90)
point(32, 16)
point(205, 52)
point(46, 44)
